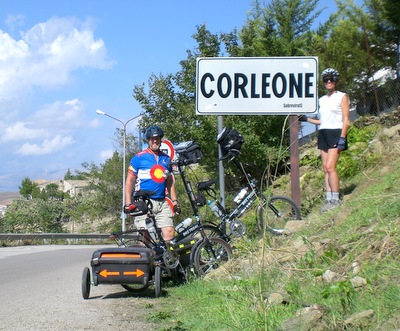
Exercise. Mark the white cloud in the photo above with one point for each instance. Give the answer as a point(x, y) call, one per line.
point(60, 117)
point(14, 21)
point(47, 147)
point(106, 154)
point(22, 131)
point(47, 54)
point(37, 127)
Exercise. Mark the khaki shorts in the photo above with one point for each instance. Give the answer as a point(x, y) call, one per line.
point(162, 213)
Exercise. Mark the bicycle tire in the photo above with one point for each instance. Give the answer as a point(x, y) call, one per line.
point(210, 230)
point(213, 231)
point(280, 210)
point(86, 283)
point(210, 254)
point(157, 281)
point(135, 287)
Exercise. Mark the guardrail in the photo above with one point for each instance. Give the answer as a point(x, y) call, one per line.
point(47, 238)
point(31, 236)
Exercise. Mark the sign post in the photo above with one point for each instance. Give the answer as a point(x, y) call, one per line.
point(260, 86)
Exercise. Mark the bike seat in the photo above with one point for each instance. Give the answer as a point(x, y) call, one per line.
point(142, 193)
point(206, 185)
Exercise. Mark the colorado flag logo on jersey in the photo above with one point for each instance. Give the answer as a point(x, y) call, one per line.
point(158, 173)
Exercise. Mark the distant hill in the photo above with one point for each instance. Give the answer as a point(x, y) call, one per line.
point(6, 196)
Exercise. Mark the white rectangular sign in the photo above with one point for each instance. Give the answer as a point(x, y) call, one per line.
point(256, 86)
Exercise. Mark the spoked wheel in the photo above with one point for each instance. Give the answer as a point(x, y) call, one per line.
point(210, 229)
point(211, 254)
point(157, 281)
point(238, 228)
point(135, 287)
point(86, 283)
point(276, 213)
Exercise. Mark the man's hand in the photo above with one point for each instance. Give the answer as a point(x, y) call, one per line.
point(341, 144)
point(128, 208)
point(177, 209)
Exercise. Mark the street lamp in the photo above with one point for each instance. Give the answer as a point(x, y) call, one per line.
point(100, 112)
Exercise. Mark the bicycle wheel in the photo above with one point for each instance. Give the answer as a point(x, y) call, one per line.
point(280, 211)
point(135, 287)
point(86, 283)
point(211, 254)
point(212, 230)
point(157, 281)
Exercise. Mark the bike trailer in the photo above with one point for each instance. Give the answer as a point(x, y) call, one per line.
point(188, 152)
point(125, 265)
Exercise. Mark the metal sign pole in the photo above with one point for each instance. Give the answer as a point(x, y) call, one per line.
point(221, 166)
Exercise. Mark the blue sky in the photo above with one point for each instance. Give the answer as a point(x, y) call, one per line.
point(60, 61)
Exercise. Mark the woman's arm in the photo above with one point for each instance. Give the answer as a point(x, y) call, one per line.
point(345, 115)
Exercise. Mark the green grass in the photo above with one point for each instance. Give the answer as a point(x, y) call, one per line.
point(364, 230)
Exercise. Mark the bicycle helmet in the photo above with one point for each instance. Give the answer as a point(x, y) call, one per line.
point(154, 131)
point(331, 72)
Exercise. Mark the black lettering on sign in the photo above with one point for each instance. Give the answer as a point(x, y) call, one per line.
point(228, 85)
point(203, 87)
point(254, 95)
point(265, 85)
point(240, 84)
point(282, 78)
point(296, 85)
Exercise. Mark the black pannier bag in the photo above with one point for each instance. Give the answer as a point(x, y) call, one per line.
point(188, 152)
point(230, 141)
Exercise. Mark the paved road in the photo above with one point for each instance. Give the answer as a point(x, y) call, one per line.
point(40, 289)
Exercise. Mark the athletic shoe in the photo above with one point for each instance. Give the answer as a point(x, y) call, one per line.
point(326, 206)
point(334, 204)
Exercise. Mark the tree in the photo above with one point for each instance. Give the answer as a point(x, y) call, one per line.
point(27, 188)
point(359, 44)
point(278, 30)
point(34, 215)
point(78, 175)
point(51, 192)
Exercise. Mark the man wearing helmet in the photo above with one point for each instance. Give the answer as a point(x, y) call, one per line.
point(334, 121)
point(151, 170)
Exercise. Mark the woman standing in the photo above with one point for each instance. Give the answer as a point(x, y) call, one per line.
point(334, 121)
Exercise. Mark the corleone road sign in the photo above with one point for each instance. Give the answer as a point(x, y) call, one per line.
point(256, 86)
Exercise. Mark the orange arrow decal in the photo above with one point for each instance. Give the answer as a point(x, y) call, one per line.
point(136, 273)
point(106, 273)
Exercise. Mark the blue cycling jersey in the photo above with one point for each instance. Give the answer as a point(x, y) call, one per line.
point(151, 172)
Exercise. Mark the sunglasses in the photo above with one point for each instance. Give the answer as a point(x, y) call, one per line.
point(327, 79)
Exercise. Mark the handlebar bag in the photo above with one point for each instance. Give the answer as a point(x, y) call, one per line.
point(230, 140)
point(188, 152)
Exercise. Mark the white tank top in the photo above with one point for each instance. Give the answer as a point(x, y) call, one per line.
point(330, 111)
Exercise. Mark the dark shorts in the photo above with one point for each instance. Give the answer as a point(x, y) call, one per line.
point(328, 138)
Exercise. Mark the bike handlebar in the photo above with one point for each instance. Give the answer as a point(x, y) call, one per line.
point(232, 153)
point(203, 186)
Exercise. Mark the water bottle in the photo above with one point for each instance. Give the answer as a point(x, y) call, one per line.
point(183, 225)
point(150, 228)
point(214, 208)
point(239, 197)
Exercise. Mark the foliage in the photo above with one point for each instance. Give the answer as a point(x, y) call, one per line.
point(28, 189)
point(355, 40)
point(363, 233)
point(34, 215)
point(170, 100)
point(78, 175)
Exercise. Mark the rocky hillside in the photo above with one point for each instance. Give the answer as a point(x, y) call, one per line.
point(348, 256)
